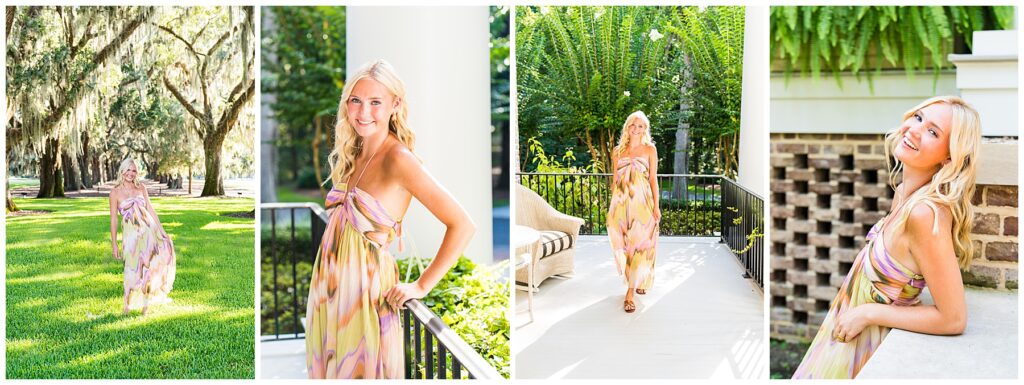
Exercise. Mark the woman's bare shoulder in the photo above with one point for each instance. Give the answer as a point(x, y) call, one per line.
point(926, 217)
point(400, 160)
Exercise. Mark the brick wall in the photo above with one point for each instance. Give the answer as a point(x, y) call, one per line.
point(826, 192)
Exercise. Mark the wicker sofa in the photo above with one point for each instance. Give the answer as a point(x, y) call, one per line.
point(559, 236)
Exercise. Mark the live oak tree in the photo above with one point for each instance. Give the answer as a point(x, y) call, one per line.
point(202, 82)
point(52, 55)
point(86, 89)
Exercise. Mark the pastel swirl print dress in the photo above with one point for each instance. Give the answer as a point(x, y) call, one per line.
point(149, 259)
point(352, 331)
point(875, 277)
point(631, 225)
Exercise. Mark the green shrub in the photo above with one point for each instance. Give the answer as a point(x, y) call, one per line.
point(786, 357)
point(291, 294)
point(474, 304)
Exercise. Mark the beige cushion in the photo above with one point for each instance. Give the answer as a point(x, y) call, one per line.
point(552, 242)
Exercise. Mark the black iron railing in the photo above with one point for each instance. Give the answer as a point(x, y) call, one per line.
point(691, 205)
point(290, 236)
point(743, 227)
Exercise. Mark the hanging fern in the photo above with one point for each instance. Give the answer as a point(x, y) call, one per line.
point(839, 39)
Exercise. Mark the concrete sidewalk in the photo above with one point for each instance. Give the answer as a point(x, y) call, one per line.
point(700, 320)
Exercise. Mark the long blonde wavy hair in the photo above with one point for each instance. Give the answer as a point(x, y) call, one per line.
point(624, 136)
point(347, 143)
point(953, 184)
point(124, 167)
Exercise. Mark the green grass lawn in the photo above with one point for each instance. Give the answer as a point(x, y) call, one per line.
point(291, 195)
point(64, 295)
point(23, 182)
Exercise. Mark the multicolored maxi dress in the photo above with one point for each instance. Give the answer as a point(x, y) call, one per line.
point(149, 259)
point(352, 331)
point(631, 224)
point(875, 277)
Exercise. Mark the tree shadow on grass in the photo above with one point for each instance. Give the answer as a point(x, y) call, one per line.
point(64, 300)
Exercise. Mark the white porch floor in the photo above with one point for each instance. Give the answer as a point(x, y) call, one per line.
point(700, 320)
point(283, 359)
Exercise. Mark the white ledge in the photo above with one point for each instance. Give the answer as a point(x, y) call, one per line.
point(987, 349)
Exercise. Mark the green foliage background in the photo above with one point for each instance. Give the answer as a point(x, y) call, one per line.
point(582, 70)
point(812, 39)
point(306, 78)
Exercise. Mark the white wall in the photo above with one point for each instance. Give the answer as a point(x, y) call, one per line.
point(753, 142)
point(442, 54)
point(807, 105)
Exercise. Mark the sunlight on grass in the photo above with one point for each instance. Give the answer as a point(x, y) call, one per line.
point(101, 356)
point(236, 314)
point(46, 278)
point(156, 315)
point(21, 344)
point(227, 226)
point(34, 302)
point(29, 245)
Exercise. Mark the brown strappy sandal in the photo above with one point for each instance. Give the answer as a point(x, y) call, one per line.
point(629, 306)
point(641, 291)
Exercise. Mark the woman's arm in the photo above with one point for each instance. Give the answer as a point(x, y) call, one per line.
point(412, 176)
point(113, 225)
point(934, 255)
point(652, 160)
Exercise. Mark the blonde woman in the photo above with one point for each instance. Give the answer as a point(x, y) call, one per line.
point(924, 238)
point(148, 254)
point(634, 214)
point(355, 296)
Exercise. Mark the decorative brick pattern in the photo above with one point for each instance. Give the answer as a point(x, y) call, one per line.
point(827, 190)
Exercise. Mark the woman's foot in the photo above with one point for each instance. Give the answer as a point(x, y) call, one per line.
point(641, 291)
point(629, 306)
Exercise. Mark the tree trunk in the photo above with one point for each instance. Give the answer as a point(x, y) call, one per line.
point(70, 167)
point(51, 182)
point(98, 176)
point(11, 207)
point(214, 184)
point(83, 162)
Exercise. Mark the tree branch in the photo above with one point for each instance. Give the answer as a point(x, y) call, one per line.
point(230, 115)
point(191, 48)
point(74, 94)
point(10, 18)
point(181, 99)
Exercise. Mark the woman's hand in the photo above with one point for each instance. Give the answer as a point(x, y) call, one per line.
point(851, 322)
point(116, 254)
point(657, 215)
point(402, 292)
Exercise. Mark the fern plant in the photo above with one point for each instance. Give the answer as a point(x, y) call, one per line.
point(837, 39)
point(582, 70)
point(713, 43)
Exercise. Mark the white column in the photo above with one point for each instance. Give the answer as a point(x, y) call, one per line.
point(987, 78)
point(753, 141)
point(442, 54)
point(268, 126)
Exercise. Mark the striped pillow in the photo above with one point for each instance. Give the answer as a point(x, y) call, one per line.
point(554, 241)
